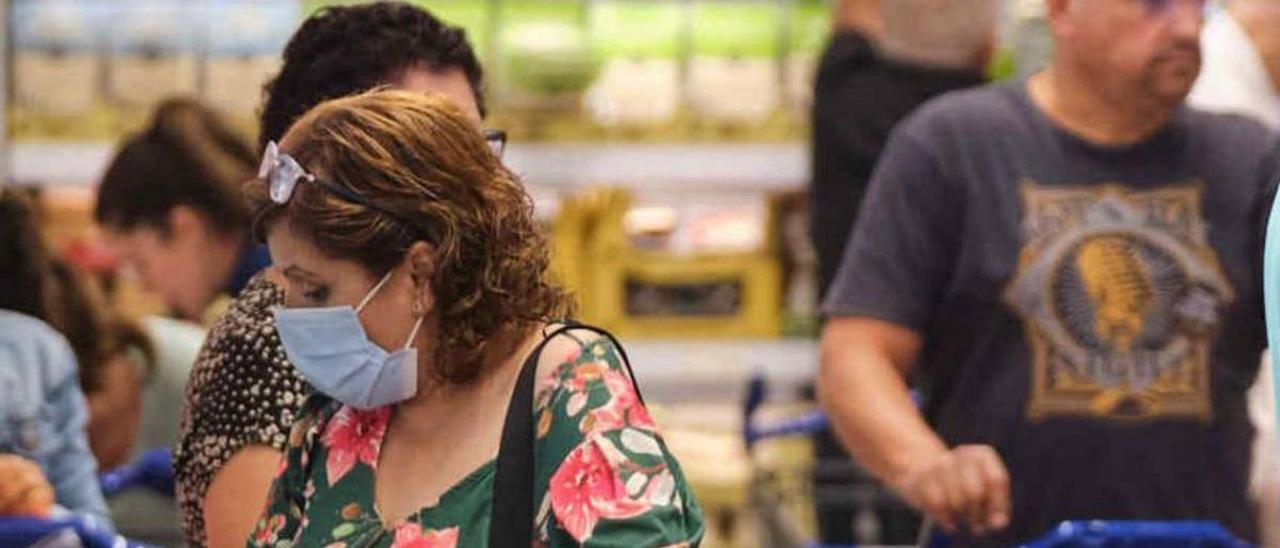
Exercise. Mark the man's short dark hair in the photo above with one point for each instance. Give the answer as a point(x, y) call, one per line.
point(343, 50)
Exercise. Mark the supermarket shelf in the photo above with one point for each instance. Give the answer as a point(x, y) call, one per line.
point(675, 371)
point(729, 166)
point(58, 163)
point(761, 167)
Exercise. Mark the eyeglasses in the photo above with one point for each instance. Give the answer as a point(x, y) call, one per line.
point(497, 140)
point(1163, 7)
point(282, 173)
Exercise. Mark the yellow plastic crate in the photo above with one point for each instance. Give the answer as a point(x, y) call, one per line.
point(594, 257)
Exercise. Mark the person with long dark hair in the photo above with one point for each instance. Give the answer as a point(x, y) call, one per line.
point(114, 354)
point(45, 457)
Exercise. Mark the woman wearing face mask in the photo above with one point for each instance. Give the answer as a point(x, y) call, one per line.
point(453, 408)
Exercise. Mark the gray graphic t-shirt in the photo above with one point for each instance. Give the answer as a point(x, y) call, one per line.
point(1094, 313)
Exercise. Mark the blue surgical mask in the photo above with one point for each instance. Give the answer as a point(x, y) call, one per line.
point(332, 351)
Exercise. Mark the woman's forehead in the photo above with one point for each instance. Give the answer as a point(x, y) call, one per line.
point(289, 246)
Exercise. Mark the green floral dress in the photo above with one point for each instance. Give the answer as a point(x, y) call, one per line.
point(603, 474)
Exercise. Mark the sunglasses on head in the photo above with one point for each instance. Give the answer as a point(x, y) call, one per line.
point(282, 173)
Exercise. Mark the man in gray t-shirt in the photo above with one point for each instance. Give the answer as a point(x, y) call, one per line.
point(1070, 266)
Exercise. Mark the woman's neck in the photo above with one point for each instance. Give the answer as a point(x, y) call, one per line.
point(439, 397)
point(221, 258)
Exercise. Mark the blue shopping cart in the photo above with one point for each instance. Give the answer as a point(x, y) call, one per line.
point(783, 530)
point(153, 471)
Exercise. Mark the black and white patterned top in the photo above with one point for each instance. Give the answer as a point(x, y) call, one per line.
point(242, 392)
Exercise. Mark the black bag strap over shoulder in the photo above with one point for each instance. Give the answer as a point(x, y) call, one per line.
point(511, 522)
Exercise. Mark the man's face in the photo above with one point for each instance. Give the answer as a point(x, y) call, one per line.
point(449, 81)
point(1148, 49)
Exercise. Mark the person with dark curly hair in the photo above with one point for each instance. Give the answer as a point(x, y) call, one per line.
point(243, 392)
point(419, 305)
point(342, 50)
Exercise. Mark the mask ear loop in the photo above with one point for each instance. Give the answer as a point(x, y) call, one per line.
point(369, 296)
point(412, 334)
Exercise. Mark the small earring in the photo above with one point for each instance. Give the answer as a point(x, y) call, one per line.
point(417, 308)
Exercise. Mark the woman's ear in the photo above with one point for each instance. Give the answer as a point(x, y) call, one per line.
point(184, 223)
point(421, 259)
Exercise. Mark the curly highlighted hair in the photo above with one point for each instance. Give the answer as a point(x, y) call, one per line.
point(432, 178)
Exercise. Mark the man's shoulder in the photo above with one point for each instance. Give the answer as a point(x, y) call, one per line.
point(972, 111)
point(1230, 132)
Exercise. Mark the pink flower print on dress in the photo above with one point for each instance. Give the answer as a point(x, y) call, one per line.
point(411, 535)
point(353, 435)
point(623, 406)
point(588, 487)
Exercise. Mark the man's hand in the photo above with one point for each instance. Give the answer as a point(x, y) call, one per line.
point(966, 487)
point(863, 387)
point(24, 491)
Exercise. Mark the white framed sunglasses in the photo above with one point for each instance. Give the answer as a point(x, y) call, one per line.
point(282, 174)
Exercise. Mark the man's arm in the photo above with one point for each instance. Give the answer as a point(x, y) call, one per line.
point(865, 363)
point(896, 270)
point(862, 385)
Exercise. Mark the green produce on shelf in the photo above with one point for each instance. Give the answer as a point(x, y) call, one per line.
point(556, 70)
point(549, 58)
point(739, 28)
point(639, 85)
point(810, 26)
point(544, 48)
point(734, 82)
point(636, 29)
point(808, 33)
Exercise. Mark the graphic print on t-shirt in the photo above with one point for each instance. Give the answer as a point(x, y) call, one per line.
point(1119, 293)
